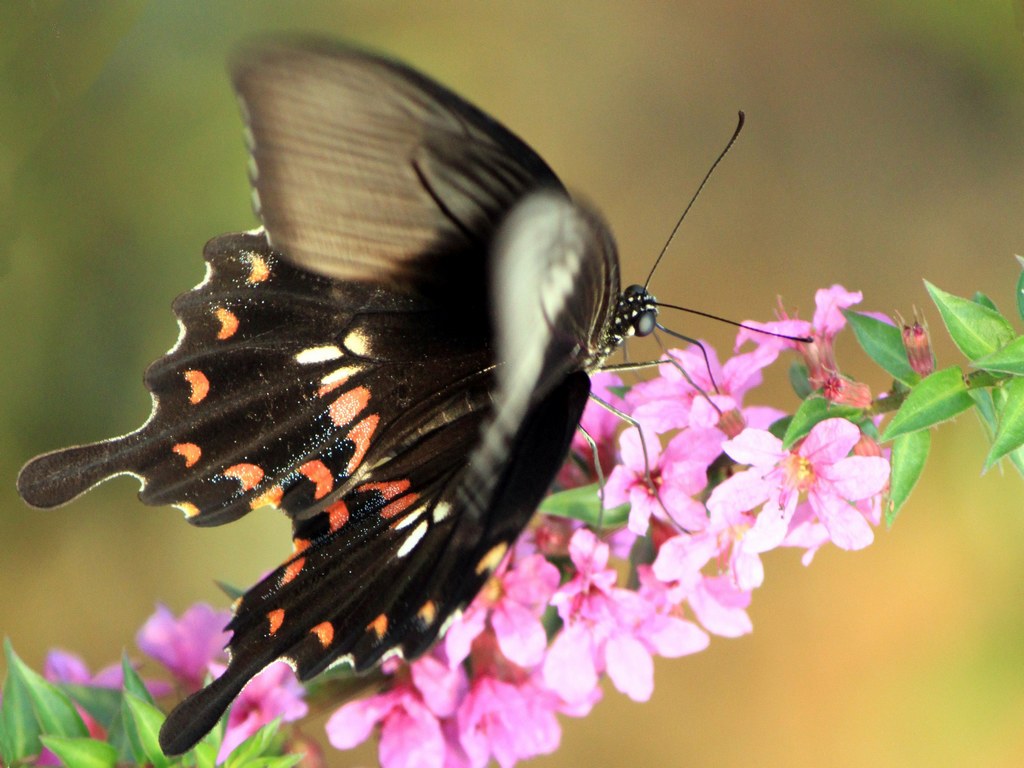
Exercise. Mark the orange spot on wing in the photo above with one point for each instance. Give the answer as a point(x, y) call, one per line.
point(318, 473)
point(299, 545)
point(259, 270)
point(378, 626)
point(360, 434)
point(189, 451)
point(248, 474)
point(388, 489)
point(337, 514)
point(427, 612)
point(275, 619)
point(399, 505)
point(324, 632)
point(344, 410)
point(269, 498)
point(228, 323)
point(293, 569)
point(199, 384)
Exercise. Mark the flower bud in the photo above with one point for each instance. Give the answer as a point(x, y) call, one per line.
point(919, 350)
point(843, 391)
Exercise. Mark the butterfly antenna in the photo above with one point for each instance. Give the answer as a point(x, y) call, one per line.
point(735, 135)
point(727, 321)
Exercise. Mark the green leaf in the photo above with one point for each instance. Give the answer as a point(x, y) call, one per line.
point(18, 726)
point(1010, 432)
point(82, 753)
point(986, 408)
point(909, 452)
point(779, 426)
point(53, 709)
point(884, 344)
point(102, 704)
point(984, 300)
point(230, 590)
point(798, 379)
point(584, 504)
point(1008, 359)
point(132, 682)
point(815, 410)
point(1017, 458)
point(1020, 289)
point(259, 750)
point(205, 754)
point(146, 720)
point(975, 329)
point(938, 398)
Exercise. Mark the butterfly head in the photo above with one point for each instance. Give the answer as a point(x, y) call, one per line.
point(636, 314)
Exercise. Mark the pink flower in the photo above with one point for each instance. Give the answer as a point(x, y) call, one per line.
point(188, 645)
point(410, 716)
point(507, 721)
point(717, 601)
point(512, 601)
point(65, 667)
point(677, 474)
point(274, 693)
point(706, 394)
point(820, 470)
point(606, 629)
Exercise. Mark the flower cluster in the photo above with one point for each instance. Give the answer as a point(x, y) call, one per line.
point(655, 560)
point(709, 489)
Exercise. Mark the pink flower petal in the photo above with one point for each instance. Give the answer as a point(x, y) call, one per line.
point(630, 666)
point(569, 668)
point(411, 738)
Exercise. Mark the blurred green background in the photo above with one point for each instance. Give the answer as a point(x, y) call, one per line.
point(885, 143)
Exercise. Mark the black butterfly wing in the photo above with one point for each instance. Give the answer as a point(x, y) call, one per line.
point(363, 168)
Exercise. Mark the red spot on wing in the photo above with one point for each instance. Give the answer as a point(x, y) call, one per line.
point(275, 619)
point(337, 514)
point(344, 410)
point(360, 434)
point(299, 545)
point(318, 473)
point(199, 384)
point(379, 626)
point(324, 633)
point(293, 569)
point(249, 475)
point(228, 323)
point(388, 489)
point(189, 451)
point(271, 497)
point(399, 505)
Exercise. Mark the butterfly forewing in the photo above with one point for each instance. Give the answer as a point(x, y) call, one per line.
point(365, 169)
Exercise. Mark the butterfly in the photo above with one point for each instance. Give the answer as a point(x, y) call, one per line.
point(397, 359)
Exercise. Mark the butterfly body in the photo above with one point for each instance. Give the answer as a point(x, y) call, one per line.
point(397, 360)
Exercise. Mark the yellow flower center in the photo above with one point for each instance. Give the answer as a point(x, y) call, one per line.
point(799, 472)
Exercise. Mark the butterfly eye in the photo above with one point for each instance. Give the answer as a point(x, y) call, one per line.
point(634, 290)
point(645, 322)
